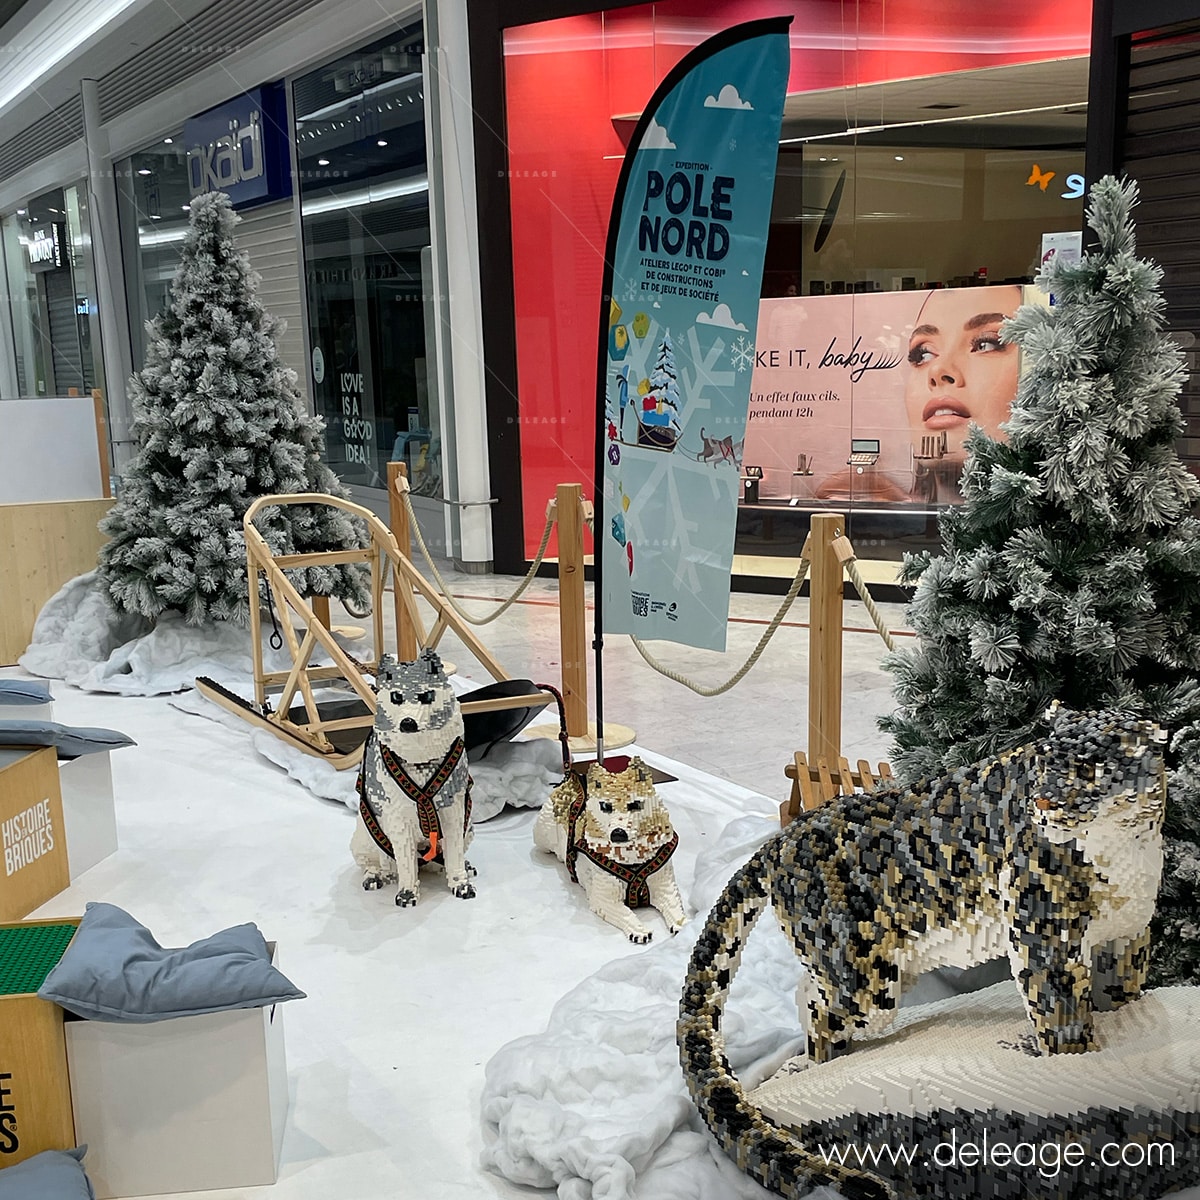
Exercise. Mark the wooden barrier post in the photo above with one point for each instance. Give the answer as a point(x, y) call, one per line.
point(825, 640)
point(102, 442)
point(406, 638)
point(571, 607)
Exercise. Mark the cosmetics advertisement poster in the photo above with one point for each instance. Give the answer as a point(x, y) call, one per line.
point(897, 377)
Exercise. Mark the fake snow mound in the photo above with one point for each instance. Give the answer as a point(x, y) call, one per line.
point(80, 638)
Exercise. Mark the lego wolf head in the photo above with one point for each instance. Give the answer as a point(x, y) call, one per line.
point(417, 712)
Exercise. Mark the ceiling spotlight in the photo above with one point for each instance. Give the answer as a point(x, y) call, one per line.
point(168, 140)
point(823, 160)
point(144, 171)
point(381, 142)
point(21, 212)
point(186, 207)
point(322, 162)
point(899, 157)
point(155, 217)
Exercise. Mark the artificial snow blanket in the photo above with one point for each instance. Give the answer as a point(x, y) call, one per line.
point(596, 1106)
point(80, 638)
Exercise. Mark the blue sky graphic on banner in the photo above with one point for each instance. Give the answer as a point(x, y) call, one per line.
point(687, 263)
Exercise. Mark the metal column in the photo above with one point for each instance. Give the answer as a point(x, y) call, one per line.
point(110, 277)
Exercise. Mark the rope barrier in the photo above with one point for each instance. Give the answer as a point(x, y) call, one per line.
point(864, 592)
point(403, 489)
point(756, 653)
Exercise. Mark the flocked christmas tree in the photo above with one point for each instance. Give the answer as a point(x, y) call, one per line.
point(1071, 570)
point(218, 421)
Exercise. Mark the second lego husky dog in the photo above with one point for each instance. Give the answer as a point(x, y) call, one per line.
point(616, 838)
point(414, 788)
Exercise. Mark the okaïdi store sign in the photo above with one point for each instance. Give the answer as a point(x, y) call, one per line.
point(241, 148)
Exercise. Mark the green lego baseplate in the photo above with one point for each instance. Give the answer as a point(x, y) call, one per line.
point(28, 953)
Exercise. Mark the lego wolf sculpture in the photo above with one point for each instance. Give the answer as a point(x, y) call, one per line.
point(414, 788)
point(1050, 855)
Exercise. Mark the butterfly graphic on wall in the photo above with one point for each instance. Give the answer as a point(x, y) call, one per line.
point(1040, 177)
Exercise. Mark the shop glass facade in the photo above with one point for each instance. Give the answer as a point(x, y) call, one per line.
point(925, 152)
point(153, 196)
point(364, 202)
point(48, 259)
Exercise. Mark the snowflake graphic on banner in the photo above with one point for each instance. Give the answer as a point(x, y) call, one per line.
point(733, 143)
point(741, 353)
point(632, 290)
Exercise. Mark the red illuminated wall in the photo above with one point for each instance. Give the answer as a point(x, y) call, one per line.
point(566, 80)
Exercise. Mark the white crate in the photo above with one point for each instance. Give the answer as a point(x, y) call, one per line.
point(27, 712)
point(188, 1105)
point(89, 816)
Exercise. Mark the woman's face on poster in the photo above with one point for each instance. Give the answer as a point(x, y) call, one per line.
point(961, 371)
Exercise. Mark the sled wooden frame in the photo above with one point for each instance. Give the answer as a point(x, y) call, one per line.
point(383, 555)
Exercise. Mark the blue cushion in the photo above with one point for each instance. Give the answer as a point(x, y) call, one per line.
point(70, 741)
point(114, 970)
point(51, 1175)
point(24, 691)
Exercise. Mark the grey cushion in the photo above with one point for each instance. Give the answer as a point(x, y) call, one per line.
point(114, 970)
point(24, 691)
point(70, 741)
point(51, 1175)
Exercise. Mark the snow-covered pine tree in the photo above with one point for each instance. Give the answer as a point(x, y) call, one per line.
point(1071, 570)
point(218, 421)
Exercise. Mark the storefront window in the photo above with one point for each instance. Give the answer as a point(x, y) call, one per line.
point(363, 175)
point(32, 344)
point(154, 200)
point(915, 160)
point(48, 256)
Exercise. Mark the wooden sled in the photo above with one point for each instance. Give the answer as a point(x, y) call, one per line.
point(335, 729)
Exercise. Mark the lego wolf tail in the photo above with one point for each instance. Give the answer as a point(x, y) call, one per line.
point(773, 1154)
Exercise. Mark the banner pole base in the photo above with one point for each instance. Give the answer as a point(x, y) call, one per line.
point(615, 736)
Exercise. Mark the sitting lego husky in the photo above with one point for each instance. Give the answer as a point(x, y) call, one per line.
point(615, 836)
point(413, 786)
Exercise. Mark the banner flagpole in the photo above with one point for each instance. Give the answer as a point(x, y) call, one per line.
point(711, 229)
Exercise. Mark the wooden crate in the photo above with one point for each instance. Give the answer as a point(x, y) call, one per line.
point(42, 546)
point(33, 838)
point(35, 1091)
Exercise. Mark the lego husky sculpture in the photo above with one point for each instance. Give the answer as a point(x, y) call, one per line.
point(414, 787)
point(616, 838)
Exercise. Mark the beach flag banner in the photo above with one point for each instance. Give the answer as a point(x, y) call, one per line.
point(683, 275)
